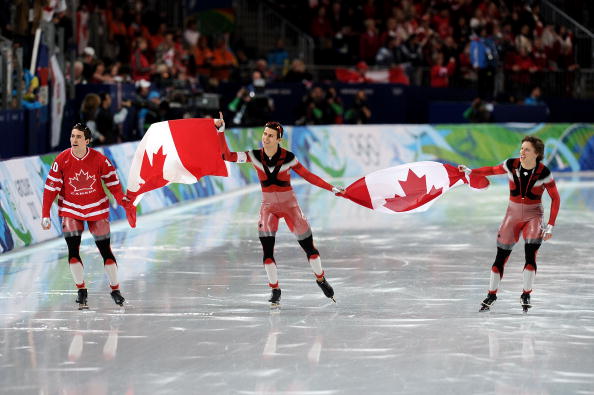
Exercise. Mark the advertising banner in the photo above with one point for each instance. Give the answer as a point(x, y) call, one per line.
point(329, 151)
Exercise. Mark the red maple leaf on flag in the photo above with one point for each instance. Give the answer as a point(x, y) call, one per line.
point(415, 189)
point(81, 181)
point(152, 174)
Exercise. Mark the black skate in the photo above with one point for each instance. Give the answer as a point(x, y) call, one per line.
point(82, 299)
point(525, 300)
point(489, 300)
point(275, 297)
point(327, 289)
point(117, 297)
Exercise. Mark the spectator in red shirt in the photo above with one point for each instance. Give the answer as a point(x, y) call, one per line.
point(370, 42)
point(320, 26)
point(141, 68)
point(118, 34)
point(539, 55)
point(440, 73)
point(441, 22)
point(523, 61)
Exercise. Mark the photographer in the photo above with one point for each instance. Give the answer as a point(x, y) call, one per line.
point(251, 105)
point(108, 123)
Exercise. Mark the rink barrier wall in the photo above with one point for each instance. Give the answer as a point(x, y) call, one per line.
point(330, 151)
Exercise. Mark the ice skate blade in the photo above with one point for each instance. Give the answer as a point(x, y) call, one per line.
point(484, 309)
point(83, 307)
point(334, 300)
point(274, 306)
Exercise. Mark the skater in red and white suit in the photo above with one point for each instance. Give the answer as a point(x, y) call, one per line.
point(273, 165)
point(528, 179)
point(76, 177)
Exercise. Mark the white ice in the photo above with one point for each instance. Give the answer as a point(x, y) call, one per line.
point(408, 289)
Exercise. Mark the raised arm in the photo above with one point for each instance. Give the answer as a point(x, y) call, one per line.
point(240, 157)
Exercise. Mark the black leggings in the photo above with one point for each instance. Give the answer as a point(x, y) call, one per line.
point(73, 243)
point(268, 247)
point(530, 251)
point(308, 246)
point(105, 249)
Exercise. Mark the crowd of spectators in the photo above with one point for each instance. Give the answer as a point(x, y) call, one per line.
point(436, 42)
point(437, 35)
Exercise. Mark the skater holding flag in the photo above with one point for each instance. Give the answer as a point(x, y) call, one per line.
point(76, 177)
point(273, 165)
point(528, 179)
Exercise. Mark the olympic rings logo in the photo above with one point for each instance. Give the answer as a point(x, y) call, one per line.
point(365, 146)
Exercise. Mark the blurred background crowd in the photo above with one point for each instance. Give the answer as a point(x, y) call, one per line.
point(127, 64)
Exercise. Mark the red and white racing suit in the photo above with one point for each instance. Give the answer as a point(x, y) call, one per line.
point(278, 197)
point(524, 214)
point(279, 201)
point(78, 183)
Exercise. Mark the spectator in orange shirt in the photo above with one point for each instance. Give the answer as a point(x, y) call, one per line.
point(223, 60)
point(203, 57)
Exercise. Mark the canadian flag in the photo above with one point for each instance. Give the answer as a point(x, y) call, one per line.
point(182, 151)
point(409, 187)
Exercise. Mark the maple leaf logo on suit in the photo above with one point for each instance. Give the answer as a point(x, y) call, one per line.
point(82, 182)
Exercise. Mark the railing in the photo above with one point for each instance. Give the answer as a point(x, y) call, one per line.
point(262, 27)
point(584, 38)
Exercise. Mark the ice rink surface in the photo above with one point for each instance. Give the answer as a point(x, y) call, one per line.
point(406, 321)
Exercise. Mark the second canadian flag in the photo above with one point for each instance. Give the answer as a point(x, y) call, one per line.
point(411, 187)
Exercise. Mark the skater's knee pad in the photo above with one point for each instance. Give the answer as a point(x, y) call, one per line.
point(268, 247)
point(104, 247)
point(309, 248)
point(73, 243)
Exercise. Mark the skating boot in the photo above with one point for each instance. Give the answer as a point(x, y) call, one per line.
point(326, 288)
point(525, 300)
point(489, 300)
point(82, 299)
point(275, 297)
point(117, 297)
